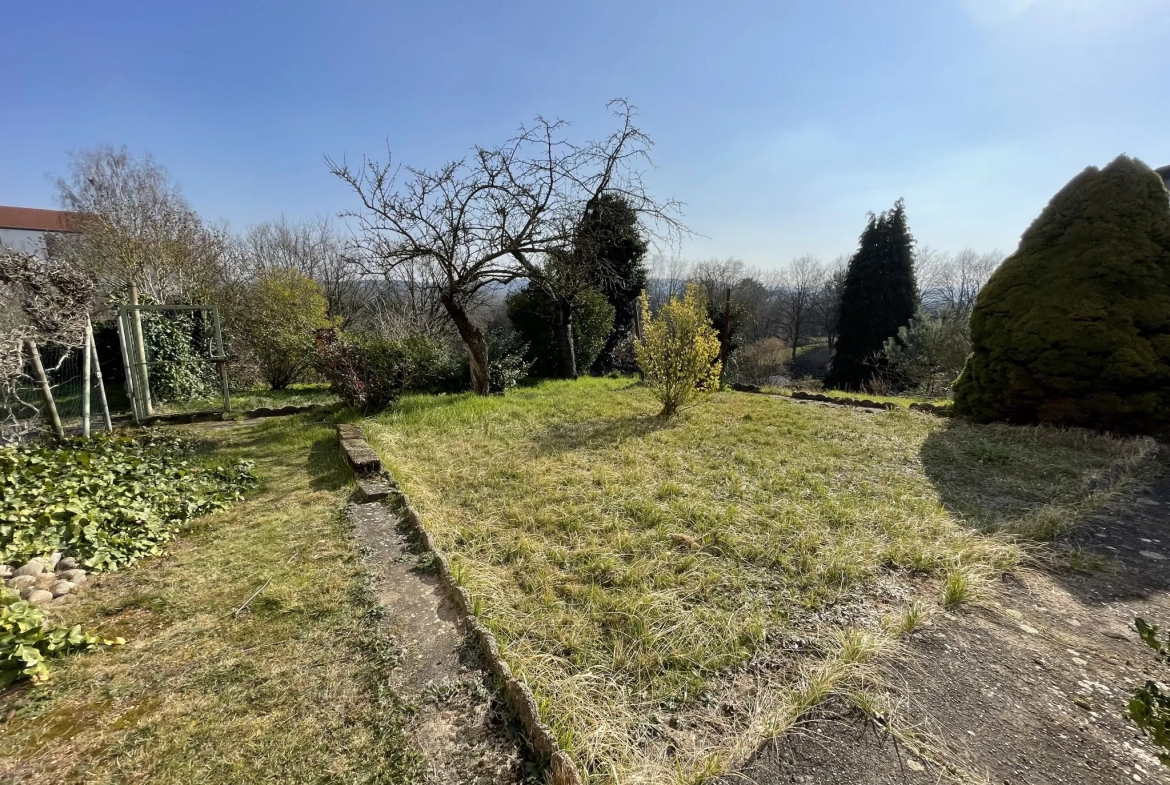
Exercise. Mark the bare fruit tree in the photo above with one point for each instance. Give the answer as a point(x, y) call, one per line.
point(501, 214)
point(801, 286)
point(41, 301)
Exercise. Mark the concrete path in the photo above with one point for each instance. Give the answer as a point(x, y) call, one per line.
point(461, 724)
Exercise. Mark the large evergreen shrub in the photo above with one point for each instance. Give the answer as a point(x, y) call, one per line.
point(1074, 328)
point(612, 244)
point(531, 312)
point(879, 297)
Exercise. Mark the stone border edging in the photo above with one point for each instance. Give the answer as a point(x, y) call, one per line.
point(283, 411)
point(516, 692)
point(861, 403)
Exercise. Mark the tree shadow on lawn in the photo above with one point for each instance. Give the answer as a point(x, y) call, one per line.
point(325, 466)
point(270, 442)
point(985, 473)
point(590, 434)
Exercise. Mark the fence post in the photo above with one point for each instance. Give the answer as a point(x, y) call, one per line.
point(46, 390)
point(97, 372)
point(86, 359)
point(140, 354)
point(128, 365)
point(225, 382)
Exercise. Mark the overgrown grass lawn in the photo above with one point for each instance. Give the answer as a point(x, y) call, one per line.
point(289, 688)
point(245, 400)
point(677, 592)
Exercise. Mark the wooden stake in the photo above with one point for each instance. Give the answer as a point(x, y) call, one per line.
point(97, 372)
point(87, 360)
point(140, 356)
point(46, 390)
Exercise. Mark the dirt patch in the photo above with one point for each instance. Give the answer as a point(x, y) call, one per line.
point(460, 723)
point(1029, 688)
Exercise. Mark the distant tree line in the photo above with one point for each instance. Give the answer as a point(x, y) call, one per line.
point(528, 257)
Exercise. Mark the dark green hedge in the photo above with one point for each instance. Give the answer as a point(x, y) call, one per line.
point(1074, 328)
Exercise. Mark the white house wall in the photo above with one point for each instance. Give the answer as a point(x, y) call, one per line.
point(27, 240)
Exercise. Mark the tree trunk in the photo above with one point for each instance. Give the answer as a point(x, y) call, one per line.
point(473, 338)
point(563, 328)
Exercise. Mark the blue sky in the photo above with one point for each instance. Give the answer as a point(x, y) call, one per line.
point(779, 124)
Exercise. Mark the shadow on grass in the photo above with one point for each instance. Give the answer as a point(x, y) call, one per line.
point(988, 476)
point(326, 468)
point(588, 434)
point(293, 443)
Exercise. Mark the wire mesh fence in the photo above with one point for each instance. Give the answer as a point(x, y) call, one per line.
point(25, 409)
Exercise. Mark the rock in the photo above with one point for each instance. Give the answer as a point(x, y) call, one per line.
point(26, 591)
point(5, 572)
point(21, 582)
point(54, 559)
point(77, 576)
point(67, 563)
point(1152, 555)
point(45, 580)
point(33, 567)
point(40, 597)
point(375, 487)
point(61, 588)
point(1029, 629)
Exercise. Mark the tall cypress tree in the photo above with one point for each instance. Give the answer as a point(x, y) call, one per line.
point(611, 246)
point(879, 296)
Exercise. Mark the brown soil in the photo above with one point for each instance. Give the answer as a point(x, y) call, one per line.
point(1029, 687)
point(461, 723)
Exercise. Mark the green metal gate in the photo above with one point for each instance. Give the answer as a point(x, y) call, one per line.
point(161, 343)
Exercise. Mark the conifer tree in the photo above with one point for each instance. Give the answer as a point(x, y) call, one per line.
point(611, 243)
point(1074, 328)
point(879, 297)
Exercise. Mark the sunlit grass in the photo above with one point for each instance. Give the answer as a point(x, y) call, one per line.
point(674, 592)
point(246, 400)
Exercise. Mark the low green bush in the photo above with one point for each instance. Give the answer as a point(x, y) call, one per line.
point(109, 500)
point(1149, 706)
point(27, 642)
point(531, 312)
point(506, 364)
point(434, 365)
point(366, 371)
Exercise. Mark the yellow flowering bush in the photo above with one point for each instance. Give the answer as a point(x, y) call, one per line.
point(678, 351)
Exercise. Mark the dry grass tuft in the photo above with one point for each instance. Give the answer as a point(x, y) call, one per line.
point(675, 593)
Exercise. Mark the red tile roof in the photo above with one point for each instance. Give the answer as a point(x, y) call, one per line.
point(39, 220)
